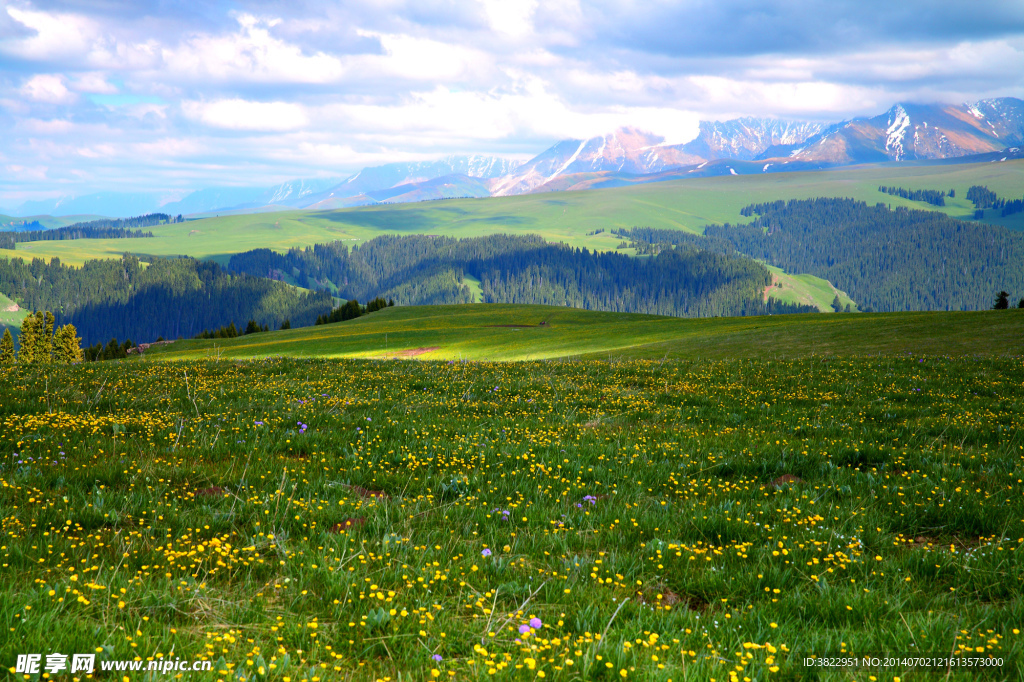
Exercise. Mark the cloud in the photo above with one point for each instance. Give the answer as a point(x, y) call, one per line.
point(48, 88)
point(251, 53)
point(513, 17)
point(239, 114)
point(93, 82)
point(169, 95)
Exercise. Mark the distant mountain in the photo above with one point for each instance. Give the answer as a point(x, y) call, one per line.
point(115, 204)
point(905, 133)
point(910, 132)
point(359, 189)
point(634, 152)
point(748, 138)
point(627, 150)
point(293, 193)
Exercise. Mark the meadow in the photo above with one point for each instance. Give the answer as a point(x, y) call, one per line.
point(570, 217)
point(312, 519)
point(511, 332)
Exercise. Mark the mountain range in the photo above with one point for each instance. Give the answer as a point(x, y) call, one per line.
point(907, 132)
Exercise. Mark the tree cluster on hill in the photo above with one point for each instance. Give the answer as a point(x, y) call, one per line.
point(173, 297)
point(9, 239)
point(889, 260)
point(419, 269)
point(230, 331)
point(932, 196)
point(351, 310)
point(1003, 301)
point(112, 351)
point(40, 343)
point(984, 198)
point(104, 228)
point(25, 225)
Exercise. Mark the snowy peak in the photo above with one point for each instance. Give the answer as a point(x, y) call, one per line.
point(626, 150)
point(921, 131)
point(899, 121)
point(749, 138)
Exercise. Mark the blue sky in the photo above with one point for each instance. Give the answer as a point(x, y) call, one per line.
point(171, 95)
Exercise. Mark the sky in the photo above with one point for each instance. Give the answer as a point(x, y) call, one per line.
point(175, 95)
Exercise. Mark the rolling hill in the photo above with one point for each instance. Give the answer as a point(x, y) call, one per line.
point(491, 332)
point(572, 217)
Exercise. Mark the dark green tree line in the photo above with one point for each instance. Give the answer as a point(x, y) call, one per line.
point(885, 259)
point(173, 297)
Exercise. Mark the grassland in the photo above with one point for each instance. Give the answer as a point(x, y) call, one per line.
point(295, 519)
point(806, 290)
point(10, 318)
point(526, 332)
point(562, 217)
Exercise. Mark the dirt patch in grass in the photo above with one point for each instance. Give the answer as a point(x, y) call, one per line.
point(363, 492)
point(785, 479)
point(666, 596)
point(213, 491)
point(348, 524)
point(413, 352)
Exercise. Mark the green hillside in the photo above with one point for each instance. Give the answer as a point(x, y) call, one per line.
point(522, 332)
point(10, 318)
point(562, 216)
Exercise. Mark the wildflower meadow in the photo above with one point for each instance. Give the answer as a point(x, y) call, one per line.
point(724, 520)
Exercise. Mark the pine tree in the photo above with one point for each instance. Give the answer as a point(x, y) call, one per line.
point(7, 348)
point(46, 347)
point(27, 340)
point(67, 347)
point(287, 324)
point(837, 305)
point(1020, 303)
point(1002, 301)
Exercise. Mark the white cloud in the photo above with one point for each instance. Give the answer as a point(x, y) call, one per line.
point(93, 82)
point(423, 59)
point(512, 17)
point(56, 35)
point(778, 98)
point(250, 54)
point(240, 114)
point(48, 88)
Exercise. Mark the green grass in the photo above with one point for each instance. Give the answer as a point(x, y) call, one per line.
point(474, 286)
point(515, 332)
point(10, 318)
point(807, 290)
point(654, 520)
point(561, 216)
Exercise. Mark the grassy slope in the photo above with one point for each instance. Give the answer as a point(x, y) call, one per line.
point(10, 319)
point(476, 332)
point(807, 290)
point(562, 216)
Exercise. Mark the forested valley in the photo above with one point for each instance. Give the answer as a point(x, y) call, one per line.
point(886, 260)
point(420, 269)
point(170, 297)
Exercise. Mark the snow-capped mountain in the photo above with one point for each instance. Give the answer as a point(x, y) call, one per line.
point(906, 132)
point(627, 150)
point(919, 131)
point(748, 138)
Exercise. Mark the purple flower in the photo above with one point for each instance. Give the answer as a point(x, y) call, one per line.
point(590, 498)
point(524, 629)
point(437, 657)
point(536, 623)
point(485, 553)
